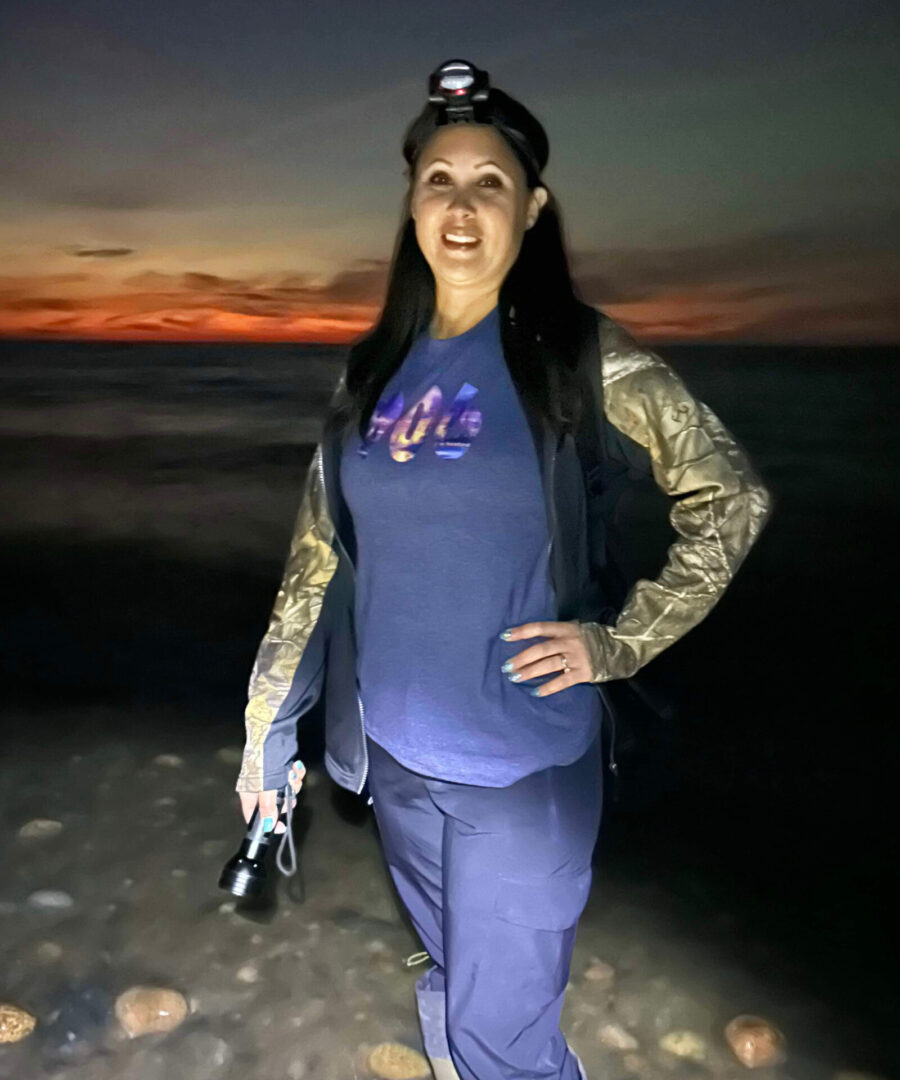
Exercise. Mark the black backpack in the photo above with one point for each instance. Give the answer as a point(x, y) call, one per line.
point(631, 514)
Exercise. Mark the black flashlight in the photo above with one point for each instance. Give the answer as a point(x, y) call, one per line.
point(245, 873)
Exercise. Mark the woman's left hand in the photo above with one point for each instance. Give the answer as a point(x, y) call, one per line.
point(546, 657)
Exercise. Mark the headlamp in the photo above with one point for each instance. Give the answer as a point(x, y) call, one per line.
point(458, 85)
point(462, 90)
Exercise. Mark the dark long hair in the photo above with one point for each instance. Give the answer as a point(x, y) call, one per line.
point(541, 314)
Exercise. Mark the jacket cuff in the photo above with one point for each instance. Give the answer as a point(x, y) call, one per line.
point(273, 781)
point(609, 657)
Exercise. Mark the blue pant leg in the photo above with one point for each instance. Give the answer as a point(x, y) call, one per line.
point(410, 827)
point(517, 873)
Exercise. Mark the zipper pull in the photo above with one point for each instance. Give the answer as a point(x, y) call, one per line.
point(613, 767)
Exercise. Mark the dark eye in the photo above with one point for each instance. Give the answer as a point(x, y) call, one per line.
point(498, 181)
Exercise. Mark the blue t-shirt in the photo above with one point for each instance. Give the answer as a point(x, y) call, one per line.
point(452, 548)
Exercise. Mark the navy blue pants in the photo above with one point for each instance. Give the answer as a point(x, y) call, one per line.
point(494, 880)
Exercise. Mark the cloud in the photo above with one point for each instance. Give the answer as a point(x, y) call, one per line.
point(195, 281)
point(365, 285)
point(101, 253)
point(44, 303)
point(812, 266)
point(813, 281)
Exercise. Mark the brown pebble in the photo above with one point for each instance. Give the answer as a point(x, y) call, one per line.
point(616, 1037)
point(754, 1041)
point(142, 1009)
point(600, 974)
point(48, 951)
point(393, 1061)
point(15, 1023)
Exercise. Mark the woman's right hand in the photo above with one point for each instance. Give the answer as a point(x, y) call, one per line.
point(268, 806)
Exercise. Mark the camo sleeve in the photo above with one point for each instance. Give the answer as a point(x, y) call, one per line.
point(720, 505)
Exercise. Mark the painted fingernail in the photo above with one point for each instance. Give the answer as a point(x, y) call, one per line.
point(268, 824)
point(516, 678)
point(506, 635)
point(508, 666)
point(536, 692)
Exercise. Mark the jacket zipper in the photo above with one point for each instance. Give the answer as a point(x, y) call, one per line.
point(552, 503)
point(362, 722)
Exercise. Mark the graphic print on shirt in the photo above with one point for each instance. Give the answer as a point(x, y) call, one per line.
point(453, 432)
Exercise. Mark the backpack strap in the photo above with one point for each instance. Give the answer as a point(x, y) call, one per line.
point(605, 475)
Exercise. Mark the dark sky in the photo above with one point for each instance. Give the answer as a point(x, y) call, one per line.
point(727, 171)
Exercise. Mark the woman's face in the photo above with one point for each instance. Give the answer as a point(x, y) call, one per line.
point(469, 183)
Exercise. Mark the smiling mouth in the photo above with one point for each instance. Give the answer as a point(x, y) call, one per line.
point(459, 244)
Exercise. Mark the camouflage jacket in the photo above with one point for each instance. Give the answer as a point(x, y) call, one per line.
point(719, 506)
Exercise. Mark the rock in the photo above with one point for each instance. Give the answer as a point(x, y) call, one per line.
point(675, 1011)
point(48, 951)
point(633, 1063)
point(200, 1055)
point(230, 755)
point(76, 1023)
point(50, 900)
point(203, 1056)
point(166, 800)
point(142, 1009)
point(755, 1042)
point(393, 1061)
point(600, 974)
point(297, 1070)
point(39, 828)
point(15, 1023)
point(247, 974)
point(172, 761)
point(630, 1008)
point(685, 1044)
point(616, 1037)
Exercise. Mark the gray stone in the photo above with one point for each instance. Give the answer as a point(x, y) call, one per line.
point(40, 829)
point(203, 1055)
point(75, 1025)
point(172, 761)
point(685, 1044)
point(50, 900)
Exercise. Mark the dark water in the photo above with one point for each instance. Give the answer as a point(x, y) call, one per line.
point(148, 495)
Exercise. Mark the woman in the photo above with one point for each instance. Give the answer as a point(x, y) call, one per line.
point(448, 564)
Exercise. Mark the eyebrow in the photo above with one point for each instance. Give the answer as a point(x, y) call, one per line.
point(434, 161)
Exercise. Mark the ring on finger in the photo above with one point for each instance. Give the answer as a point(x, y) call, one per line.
point(566, 668)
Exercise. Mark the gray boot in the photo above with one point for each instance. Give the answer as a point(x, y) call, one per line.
point(443, 1069)
point(432, 1008)
point(581, 1071)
